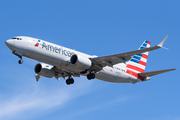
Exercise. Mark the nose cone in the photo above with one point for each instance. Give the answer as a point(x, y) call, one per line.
point(9, 43)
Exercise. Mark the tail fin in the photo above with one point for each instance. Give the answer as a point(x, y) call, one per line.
point(138, 62)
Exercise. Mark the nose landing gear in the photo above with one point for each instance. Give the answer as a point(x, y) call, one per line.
point(20, 61)
point(19, 55)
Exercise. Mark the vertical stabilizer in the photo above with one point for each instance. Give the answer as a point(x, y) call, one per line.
point(137, 63)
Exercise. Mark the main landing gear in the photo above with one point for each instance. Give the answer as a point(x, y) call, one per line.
point(69, 81)
point(90, 76)
point(19, 55)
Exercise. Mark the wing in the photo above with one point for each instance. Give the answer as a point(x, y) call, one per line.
point(59, 73)
point(64, 73)
point(100, 62)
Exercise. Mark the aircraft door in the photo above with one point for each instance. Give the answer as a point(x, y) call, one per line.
point(32, 46)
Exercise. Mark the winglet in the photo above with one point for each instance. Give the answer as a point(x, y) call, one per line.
point(162, 42)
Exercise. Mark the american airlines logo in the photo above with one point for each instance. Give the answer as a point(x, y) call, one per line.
point(57, 50)
point(37, 44)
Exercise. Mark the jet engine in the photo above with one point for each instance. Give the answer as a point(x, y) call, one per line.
point(44, 70)
point(81, 62)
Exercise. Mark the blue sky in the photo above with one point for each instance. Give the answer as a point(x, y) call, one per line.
point(97, 28)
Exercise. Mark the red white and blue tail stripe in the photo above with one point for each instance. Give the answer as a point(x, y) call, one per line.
point(137, 63)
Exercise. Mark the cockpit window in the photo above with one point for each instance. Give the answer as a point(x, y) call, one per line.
point(16, 38)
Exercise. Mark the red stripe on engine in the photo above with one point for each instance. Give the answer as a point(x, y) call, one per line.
point(144, 56)
point(135, 68)
point(142, 63)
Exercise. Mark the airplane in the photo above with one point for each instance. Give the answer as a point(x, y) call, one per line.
point(58, 61)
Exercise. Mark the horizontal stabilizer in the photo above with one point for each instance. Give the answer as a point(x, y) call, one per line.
point(148, 74)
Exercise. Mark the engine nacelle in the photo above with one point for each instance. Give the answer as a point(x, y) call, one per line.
point(44, 70)
point(80, 62)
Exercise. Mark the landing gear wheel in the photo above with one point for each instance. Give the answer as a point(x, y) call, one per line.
point(90, 76)
point(69, 81)
point(20, 61)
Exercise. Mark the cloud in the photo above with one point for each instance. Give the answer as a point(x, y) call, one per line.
point(40, 98)
point(102, 105)
point(177, 118)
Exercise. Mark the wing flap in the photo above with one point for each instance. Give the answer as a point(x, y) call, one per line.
point(65, 73)
point(148, 74)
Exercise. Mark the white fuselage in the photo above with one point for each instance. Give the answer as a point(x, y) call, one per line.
point(59, 56)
